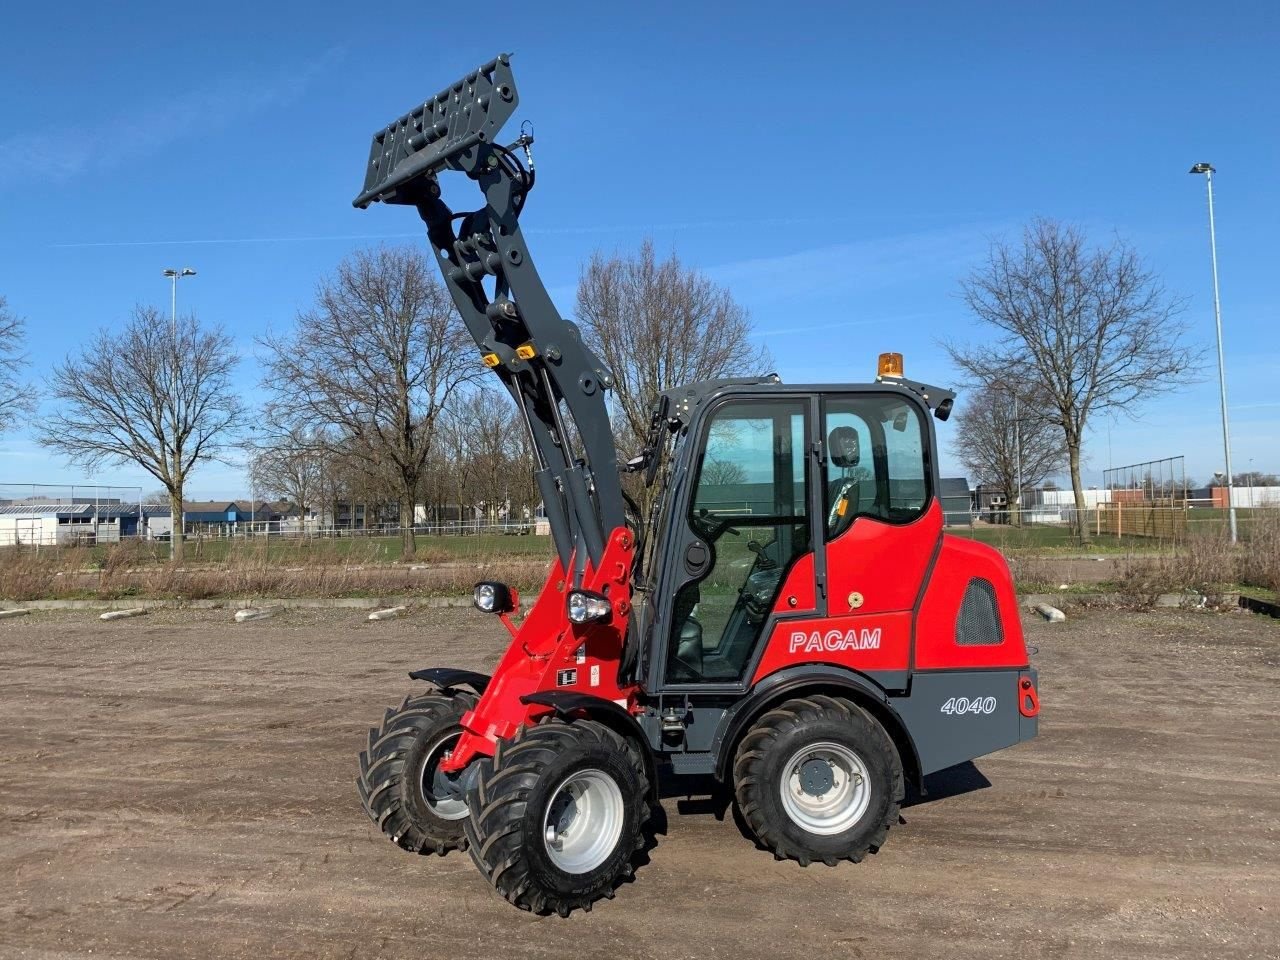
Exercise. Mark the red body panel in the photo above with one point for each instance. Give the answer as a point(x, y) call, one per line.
point(959, 561)
point(799, 586)
point(875, 572)
point(877, 641)
point(546, 647)
point(884, 562)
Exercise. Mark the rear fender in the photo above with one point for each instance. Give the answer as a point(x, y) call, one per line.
point(802, 681)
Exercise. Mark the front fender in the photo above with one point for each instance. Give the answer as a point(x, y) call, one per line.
point(446, 679)
point(569, 704)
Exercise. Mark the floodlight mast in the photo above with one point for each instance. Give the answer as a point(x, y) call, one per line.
point(558, 383)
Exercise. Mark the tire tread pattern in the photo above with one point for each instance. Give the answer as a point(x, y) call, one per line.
point(498, 801)
point(382, 768)
point(749, 779)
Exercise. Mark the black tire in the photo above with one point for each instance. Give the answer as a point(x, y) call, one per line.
point(510, 798)
point(391, 784)
point(775, 741)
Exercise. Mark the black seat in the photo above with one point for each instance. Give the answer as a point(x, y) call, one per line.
point(689, 649)
point(843, 452)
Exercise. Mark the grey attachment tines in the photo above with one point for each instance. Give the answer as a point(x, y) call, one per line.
point(978, 624)
point(426, 139)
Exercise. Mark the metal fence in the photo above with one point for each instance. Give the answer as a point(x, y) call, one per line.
point(44, 514)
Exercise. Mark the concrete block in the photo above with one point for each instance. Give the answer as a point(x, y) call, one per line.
point(256, 613)
point(123, 614)
point(8, 614)
point(1052, 614)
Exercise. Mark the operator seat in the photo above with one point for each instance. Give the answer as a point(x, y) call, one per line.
point(687, 663)
point(843, 452)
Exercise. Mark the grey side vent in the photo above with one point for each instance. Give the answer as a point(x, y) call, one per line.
point(979, 624)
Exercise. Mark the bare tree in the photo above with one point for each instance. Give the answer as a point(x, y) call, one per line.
point(1255, 478)
point(490, 425)
point(290, 465)
point(376, 359)
point(658, 325)
point(151, 395)
point(1000, 434)
point(15, 397)
point(156, 498)
point(722, 473)
point(1092, 327)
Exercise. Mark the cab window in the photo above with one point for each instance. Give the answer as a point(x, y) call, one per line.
point(876, 465)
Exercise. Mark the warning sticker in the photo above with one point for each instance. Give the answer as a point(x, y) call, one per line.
point(566, 678)
point(595, 675)
point(581, 655)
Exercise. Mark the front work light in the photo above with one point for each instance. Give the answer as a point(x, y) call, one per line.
point(588, 607)
point(490, 596)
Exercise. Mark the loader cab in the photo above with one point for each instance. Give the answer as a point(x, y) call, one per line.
point(767, 483)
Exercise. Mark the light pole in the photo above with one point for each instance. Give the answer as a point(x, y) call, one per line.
point(177, 524)
point(175, 276)
point(1017, 430)
point(1207, 170)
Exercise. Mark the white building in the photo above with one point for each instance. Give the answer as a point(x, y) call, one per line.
point(52, 523)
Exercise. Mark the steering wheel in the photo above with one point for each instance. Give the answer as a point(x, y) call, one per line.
point(712, 528)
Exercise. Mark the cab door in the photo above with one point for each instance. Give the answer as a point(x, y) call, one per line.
point(743, 533)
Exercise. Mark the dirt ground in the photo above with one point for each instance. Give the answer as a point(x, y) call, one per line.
point(179, 786)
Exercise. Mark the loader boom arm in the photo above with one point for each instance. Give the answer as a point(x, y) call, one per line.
point(557, 382)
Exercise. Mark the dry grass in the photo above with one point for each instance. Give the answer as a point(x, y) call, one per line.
point(130, 570)
point(1205, 568)
point(1260, 565)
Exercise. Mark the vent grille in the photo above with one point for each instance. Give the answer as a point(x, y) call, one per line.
point(978, 624)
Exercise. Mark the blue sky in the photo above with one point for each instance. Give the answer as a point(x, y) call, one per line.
point(839, 166)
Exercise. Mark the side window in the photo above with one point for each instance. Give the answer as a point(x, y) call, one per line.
point(876, 463)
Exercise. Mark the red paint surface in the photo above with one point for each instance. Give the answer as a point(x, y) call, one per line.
point(547, 643)
point(887, 566)
point(811, 641)
point(959, 561)
point(884, 562)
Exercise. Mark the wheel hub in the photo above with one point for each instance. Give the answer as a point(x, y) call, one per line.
point(584, 821)
point(439, 789)
point(825, 788)
point(816, 778)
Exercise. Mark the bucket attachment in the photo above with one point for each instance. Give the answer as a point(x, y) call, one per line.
point(425, 140)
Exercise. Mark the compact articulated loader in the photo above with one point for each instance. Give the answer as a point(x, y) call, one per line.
point(791, 621)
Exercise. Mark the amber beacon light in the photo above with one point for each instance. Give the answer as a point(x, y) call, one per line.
point(890, 365)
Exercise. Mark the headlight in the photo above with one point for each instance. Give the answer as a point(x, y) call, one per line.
point(490, 596)
point(588, 607)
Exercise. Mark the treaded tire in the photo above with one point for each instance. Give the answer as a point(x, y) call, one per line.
point(390, 782)
point(509, 800)
point(775, 739)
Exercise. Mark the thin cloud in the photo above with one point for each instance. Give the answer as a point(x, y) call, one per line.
point(533, 231)
point(29, 157)
point(874, 263)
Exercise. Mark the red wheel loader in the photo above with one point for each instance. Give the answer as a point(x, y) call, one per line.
point(797, 629)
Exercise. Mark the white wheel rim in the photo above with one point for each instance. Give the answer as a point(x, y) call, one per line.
point(434, 784)
point(583, 821)
point(826, 788)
